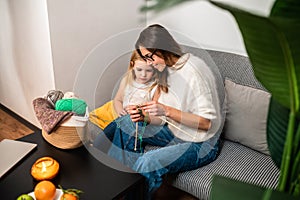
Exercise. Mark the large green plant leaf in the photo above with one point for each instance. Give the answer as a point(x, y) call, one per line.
point(277, 124)
point(229, 189)
point(286, 8)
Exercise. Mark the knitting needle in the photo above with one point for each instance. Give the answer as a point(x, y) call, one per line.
point(136, 128)
point(165, 120)
point(136, 135)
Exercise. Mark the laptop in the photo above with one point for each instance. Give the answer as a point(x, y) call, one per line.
point(11, 152)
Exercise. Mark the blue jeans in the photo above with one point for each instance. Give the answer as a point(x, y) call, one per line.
point(173, 156)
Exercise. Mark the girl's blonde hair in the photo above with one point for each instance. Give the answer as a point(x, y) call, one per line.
point(160, 78)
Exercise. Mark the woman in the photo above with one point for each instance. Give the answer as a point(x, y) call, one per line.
point(189, 110)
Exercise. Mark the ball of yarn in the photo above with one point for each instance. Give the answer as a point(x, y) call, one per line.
point(54, 95)
point(69, 95)
point(77, 106)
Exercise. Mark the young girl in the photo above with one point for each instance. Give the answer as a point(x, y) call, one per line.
point(139, 85)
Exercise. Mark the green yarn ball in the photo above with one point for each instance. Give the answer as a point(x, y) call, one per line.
point(77, 106)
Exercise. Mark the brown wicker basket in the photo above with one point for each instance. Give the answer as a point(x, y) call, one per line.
point(66, 137)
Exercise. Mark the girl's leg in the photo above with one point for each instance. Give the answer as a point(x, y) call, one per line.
point(117, 133)
point(123, 140)
point(159, 136)
point(124, 133)
point(122, 146)
point(121, 135)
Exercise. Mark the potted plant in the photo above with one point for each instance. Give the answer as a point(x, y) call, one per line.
point(273, 47)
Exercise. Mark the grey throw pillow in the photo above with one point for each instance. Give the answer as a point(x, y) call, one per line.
point(246, 117)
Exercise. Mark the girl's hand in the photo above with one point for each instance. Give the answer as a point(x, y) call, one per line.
point(123, 112)
point(154, 108)
point(136, 113)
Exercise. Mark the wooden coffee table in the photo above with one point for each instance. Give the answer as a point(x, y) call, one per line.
point(78, 169)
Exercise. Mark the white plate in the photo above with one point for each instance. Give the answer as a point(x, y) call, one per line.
point(58, 194)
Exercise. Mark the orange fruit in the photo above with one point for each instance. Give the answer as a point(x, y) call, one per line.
point(70, 194)
point(45, 190)
point(67, 196)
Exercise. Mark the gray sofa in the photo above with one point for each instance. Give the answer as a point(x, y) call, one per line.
point(244, 153)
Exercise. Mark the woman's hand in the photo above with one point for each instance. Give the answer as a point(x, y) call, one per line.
point(154, 108)
point(189, 119)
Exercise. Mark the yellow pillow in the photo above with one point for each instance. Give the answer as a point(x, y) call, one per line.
point(103, 115)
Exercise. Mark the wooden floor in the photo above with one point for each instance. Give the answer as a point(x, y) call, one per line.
point(13, 127)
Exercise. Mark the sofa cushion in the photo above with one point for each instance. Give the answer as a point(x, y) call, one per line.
point(246, 115)
point(235, 161)
point(103, 115)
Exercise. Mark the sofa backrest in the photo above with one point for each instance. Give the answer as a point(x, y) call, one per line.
point(235, 67)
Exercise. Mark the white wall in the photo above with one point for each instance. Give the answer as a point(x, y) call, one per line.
point(26, 70)
point(78, 26)
point(43, 43)
point(30, 66)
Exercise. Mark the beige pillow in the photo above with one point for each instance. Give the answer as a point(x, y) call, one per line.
point(246, 115)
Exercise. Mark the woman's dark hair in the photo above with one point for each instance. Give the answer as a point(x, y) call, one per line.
point(156, 38)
